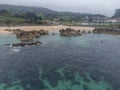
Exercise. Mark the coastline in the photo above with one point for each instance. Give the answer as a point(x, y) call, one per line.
point(46, 28)
point(4, 32)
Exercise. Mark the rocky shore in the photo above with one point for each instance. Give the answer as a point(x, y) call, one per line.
point(29, 38)
point(113, 31)
point(72, 32)
point(28, 35)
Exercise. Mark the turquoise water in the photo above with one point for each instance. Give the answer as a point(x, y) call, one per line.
point(87, 62)
point(8, 39)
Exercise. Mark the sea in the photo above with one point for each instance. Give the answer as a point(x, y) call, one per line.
point(87, 62)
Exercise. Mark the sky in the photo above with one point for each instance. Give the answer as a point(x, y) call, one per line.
point(105, 7)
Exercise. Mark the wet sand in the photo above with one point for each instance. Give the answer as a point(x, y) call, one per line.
point(4, 32)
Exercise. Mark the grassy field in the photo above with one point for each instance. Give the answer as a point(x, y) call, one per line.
point(11, 20)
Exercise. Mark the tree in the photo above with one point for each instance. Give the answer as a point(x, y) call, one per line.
point(5, 13)
point(31, 16)
point(90, 19)
point(8, 22)
point(40, 18)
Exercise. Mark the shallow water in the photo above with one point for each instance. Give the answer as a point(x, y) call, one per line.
point(87, 62)
point(8, 39)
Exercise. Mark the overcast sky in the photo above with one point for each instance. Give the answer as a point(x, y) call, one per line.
point(105, 7)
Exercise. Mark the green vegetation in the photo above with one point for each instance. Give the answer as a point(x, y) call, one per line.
point(8, 18)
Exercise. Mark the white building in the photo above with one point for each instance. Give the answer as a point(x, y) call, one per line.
point(111, 21)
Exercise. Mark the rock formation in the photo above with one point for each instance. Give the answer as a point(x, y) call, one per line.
point(28, 35)
point(70, 32)
point(113, 31)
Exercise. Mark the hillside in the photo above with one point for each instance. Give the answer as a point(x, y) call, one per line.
point(46, 12)
point(117, 13)
point(25, 14)
point(17, 9)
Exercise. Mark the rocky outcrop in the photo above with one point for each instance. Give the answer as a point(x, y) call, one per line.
point(113, 31)
point(28, 35)
point(70, 32)
point(24, 44)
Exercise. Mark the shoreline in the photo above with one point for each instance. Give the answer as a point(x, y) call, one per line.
point(46, 28)
point(3, 32)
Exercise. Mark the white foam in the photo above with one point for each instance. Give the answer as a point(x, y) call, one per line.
point(15, 50)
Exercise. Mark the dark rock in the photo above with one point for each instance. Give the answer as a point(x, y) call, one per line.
point(69, 32)
point(53, 33)
point(29, 35)
point(84, 32)
point(24, 44)
point(113, 31)
point(89, 31)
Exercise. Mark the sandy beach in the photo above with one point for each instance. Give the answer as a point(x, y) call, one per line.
point(47, 28)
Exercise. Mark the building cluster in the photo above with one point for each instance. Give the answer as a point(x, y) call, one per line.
point(101, 20)
point(107, 20)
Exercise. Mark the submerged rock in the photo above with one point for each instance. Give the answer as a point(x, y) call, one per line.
point(22, 44)
point(53, 33)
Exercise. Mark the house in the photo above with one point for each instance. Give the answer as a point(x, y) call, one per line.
point(118, 20)
point(56, 19)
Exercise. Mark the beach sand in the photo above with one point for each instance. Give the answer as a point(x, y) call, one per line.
point(47, 28)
